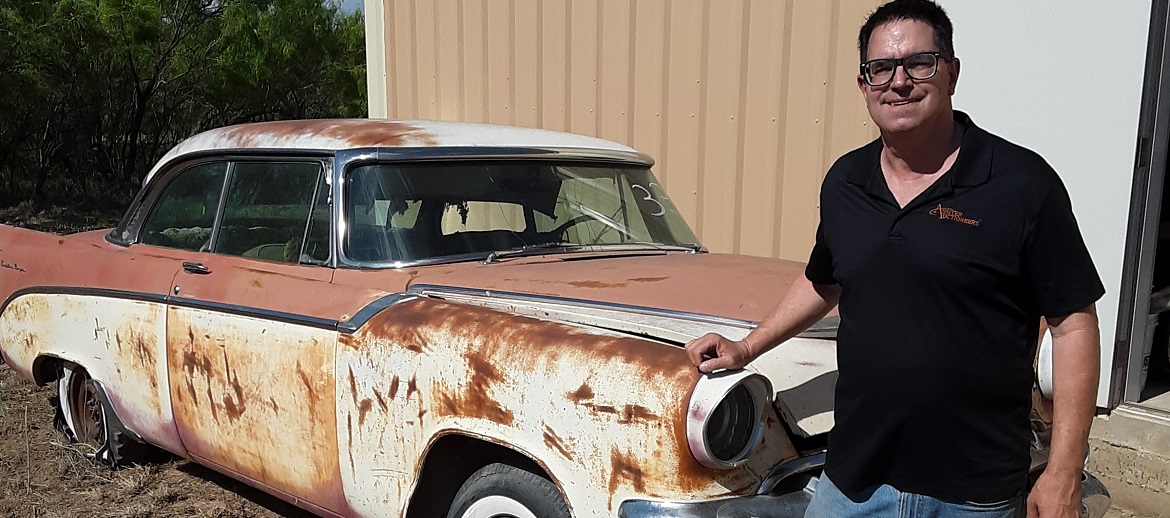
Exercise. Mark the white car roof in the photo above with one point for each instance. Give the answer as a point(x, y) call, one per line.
point(338, 134)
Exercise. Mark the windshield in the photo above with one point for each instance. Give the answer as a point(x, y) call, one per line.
point(406, 212)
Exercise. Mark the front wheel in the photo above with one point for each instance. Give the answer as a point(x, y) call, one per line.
point(505, 491)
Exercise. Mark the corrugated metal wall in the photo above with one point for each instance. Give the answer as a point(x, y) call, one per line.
point(743, 103)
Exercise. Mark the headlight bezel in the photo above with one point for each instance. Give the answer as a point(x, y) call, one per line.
point(713, 390)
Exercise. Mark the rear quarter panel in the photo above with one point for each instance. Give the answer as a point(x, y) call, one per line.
point(80, 299)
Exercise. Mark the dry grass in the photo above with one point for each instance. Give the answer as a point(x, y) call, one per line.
point(43, 476)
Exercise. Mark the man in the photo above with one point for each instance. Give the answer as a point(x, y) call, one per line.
point(944, 246)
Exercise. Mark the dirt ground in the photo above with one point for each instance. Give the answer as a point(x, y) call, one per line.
point(42, 476)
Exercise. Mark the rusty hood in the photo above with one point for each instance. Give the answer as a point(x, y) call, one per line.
point(722, 285)
point(672, 297)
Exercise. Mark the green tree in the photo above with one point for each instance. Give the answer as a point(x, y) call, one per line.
point(92, 92)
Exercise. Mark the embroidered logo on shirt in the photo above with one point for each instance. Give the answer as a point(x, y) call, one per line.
point(953, 215)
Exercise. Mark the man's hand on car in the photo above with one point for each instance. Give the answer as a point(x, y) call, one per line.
point(712, 352)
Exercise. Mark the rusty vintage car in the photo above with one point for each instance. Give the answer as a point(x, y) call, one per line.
point(375, 318)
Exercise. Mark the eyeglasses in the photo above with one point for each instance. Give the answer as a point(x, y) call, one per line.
point(920, 66)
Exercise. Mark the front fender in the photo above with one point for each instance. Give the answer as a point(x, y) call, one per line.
point(603, 412)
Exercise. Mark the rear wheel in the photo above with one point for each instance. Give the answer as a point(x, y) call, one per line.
point(85, 417)
point(504, 491)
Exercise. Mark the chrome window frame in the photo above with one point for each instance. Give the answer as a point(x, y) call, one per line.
point(346, 160)
point(145, 201)
point(336, 165)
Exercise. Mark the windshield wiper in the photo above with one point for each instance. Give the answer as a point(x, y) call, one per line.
point(529, 249)
point(693, 248)
point(533, 249)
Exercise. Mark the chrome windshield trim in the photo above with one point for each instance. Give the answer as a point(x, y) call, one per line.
point(437, 291)
point(347, 159)
point(483, 256)
point(509, 153)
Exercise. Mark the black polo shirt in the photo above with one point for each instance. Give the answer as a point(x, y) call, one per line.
point(940, 309)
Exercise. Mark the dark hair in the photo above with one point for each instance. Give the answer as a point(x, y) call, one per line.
point(924, 11)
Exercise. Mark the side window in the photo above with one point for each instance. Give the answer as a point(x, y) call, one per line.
point(316, 249)
point(268, 212)
point(185, 212)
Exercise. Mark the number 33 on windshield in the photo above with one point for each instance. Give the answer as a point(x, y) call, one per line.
point(650, 198)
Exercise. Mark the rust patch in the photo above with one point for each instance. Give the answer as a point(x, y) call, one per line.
point(191, 392)
point(211, 404)
point(310, 394)
point(411, 387)
point(348, 341)
point(602, 409)
point(394, 387)
point(583, 393)
point(234, 407)
point(476, 400)
point(628, 414)
point(139, 348)
point(648, 279)
point(596, 284)
point(363, 409)
point(275, 407)
point(404, 330)
point(635, 413)
point(355, 133)
point(625, 468)
point(193, 364)
point(381, 402)
point(352, 386)
point(553, 441)
point(349, 431)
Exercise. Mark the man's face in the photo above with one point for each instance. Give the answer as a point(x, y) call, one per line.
point(904, 104)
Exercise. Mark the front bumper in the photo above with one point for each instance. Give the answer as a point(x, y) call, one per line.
point(789, 505)
point(1095, 501)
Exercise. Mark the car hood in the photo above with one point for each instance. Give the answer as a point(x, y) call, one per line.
point(721, 285)
point(672, 297)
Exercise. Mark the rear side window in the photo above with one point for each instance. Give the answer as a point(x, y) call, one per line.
point(185, 212)
point(275, 212)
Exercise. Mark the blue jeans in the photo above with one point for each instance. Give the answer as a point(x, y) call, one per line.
point(887, 502)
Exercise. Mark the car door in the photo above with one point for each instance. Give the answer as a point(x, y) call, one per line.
point(251, 332)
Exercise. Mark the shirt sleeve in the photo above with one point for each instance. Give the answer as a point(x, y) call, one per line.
point(820, 262)
point(1061, 272)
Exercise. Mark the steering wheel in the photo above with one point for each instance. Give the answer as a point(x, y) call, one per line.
point(574, 221)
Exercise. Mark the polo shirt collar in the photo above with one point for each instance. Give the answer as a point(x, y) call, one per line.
point(972, 166)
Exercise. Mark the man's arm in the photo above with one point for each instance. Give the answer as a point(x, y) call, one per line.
point(803, 305)
point(1076, 365)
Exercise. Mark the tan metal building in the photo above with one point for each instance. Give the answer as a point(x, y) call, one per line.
point(743, 103)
